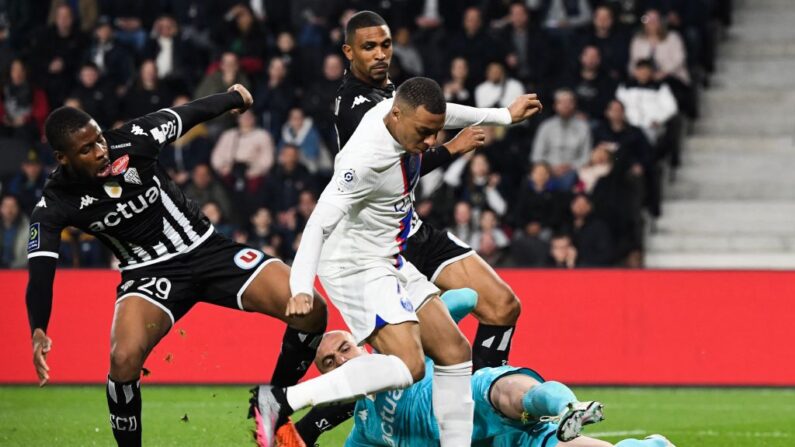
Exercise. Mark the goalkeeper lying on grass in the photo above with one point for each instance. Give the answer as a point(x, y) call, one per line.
point(513, 406)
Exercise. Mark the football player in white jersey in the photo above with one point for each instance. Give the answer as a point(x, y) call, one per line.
point(353, 242)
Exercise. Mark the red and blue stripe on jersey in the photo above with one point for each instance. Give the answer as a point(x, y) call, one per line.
point(410, 167)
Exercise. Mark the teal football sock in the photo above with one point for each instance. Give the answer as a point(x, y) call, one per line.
point(460, 302)
point(547, 399)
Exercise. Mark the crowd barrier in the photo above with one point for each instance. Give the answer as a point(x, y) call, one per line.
point(599, 327)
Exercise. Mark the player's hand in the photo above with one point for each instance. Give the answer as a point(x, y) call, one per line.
point(299, 305)
point(248, 100)
point(469, 139)
point(41, 346)
point(524, 107)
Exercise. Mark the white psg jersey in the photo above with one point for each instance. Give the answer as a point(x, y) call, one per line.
point(373, 183)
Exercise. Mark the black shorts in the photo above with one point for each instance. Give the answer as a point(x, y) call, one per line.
point(217, 271)
point(431, 250)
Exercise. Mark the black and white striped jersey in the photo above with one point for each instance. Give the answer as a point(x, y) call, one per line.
point(137, 211)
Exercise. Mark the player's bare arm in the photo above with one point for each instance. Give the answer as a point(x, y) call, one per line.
point(467, 140)
point(524, 107)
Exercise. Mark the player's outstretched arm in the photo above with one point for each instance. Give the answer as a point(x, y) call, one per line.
point(236, 100)
point(467, 140)
point(521, 108)
point(38, 299)
point(524, 106)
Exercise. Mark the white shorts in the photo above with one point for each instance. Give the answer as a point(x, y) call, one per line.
point(371, 298)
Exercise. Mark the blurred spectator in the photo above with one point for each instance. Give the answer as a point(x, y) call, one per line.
point(563, 141)
point(529, 51)
point(219, 220)
point(55, 55)
point(498, 90)
point(81, 250)
point(14, 244)
point(114, 60)
point(599, 166)
point(23, 106)
point(591, 235)
point(475, 45)
point(306, 204)
point(28, 184)
point(147, 93)
point(458, 89)
point(478, 186)
point(318, 99)
point(203, 189)
point(562, 19)
point(299, 130)
point(407, 53)
point(87, 12)
point(242, 34)
point(463, 227)
point(538, 202)
point(227, 75)
point(132, 19)
point(275, 97)
point(96, 97)
point(287, 180)
point(593, 86)
point(190, 150)
point(562, 253)
point(667, 51)
point(489, 240)
point(612, 42)
point(528, 248)
point(262, 233)
point(649, 103)
point(242, 156)
point(179, 61)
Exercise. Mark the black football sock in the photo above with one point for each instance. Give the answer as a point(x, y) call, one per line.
point(491, 346)
point(124, 403)
point(297, 353)
point(322, 419)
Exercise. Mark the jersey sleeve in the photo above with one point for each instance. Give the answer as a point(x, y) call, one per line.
point(44, 241)
point(458, 116)
point(151, 133)
point(348, 115)
point(350, 186)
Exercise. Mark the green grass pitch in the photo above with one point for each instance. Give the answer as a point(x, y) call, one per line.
point(77, 416)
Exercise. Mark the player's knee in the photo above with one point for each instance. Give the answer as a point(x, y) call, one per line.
point(126, 362)
point(504, 307)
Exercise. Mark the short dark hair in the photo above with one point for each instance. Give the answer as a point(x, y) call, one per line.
point(362, 19)
point(645, 63)
point(420, 91)
point(63, 122)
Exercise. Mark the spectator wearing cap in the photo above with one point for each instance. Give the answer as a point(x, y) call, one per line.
point(28, 184)
point(23, 106)
point(14, 227)
point(563, 141)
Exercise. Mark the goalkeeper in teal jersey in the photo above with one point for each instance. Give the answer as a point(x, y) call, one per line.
point(513, 406)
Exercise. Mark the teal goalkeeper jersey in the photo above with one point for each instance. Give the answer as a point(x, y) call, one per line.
point(405, 417)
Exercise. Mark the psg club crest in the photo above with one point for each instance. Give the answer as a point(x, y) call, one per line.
point(113, 189)
point(119, 165)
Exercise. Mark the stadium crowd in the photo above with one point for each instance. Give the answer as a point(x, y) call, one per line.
point(574, 188)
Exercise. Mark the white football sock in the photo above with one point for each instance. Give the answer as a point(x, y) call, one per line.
point(353, 380)
point(452, 403)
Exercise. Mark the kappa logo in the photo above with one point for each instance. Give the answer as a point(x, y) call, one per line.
point(136, 130)
point(86, 201)
point(41, 204)
point(247, 258)
point(359, 100)
point(131, 176)
point(120, 165)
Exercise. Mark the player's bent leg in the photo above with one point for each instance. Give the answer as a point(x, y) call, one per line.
point(268, 293)
point(443, 341)
point(138, 325)
point(497, 309)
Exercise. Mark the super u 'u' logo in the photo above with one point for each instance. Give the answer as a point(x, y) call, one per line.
point(247, 258)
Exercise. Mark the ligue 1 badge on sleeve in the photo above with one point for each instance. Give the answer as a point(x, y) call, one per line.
point(113, 189)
